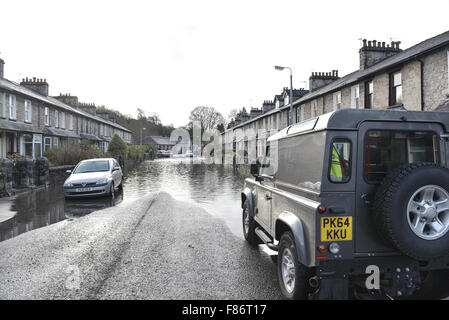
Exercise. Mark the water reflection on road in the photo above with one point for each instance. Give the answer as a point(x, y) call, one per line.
point(215, 188)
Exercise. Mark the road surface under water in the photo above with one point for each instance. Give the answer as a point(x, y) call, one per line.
point(215, 188)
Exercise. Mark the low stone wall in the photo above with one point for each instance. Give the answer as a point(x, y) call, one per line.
point(26, 173)
point(59, 174)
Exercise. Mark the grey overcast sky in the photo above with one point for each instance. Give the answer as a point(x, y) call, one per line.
point(170, 56)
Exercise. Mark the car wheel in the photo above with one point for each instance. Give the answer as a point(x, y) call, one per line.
point(249, 226)
point(112, 190)
point(291, 273)
point(411, 210)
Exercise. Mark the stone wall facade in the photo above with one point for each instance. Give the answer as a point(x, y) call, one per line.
point(436, 86)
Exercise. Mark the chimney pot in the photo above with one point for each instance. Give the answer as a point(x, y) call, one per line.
point(374, 43)
point(364, 43)
point(369, 44)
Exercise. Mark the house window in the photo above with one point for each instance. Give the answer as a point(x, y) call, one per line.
point(2, 104)
point(303, 114)
point(355, 97)
point(56, 119)
point(55, 142)
point(12, 107)
point(27, 111)
point(63, 120)
point(47, 116)
point(337, 101)
point(369, 95)
point(395, 88)
point(71, 122)
point(313, 109)
point(47, 143)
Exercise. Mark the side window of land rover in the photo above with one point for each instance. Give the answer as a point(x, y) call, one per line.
point(340, 161)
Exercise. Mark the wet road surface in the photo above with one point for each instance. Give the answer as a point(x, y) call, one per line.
point(214, 188)
point(152, 248)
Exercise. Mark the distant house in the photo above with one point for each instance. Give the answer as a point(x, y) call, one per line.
point(161, 143)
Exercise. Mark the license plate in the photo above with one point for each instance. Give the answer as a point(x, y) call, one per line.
point(336, 229)
point(83, 189)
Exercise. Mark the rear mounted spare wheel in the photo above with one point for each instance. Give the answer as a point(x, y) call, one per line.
point(411, 210)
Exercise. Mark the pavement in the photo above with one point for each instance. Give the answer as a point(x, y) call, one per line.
point(153, 248)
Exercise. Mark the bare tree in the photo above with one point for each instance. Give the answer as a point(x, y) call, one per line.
point(232, 115)
point(209, 117)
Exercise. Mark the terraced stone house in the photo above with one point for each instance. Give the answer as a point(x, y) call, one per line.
point(31, 121)
point(416, 78)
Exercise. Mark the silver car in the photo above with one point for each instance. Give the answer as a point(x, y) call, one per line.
point(94, 177)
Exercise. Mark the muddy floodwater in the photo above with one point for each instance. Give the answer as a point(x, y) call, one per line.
point(215, 188)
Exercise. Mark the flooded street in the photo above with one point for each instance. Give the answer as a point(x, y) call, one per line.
point(214, 188)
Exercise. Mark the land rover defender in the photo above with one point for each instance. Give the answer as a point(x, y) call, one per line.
point(358, 206)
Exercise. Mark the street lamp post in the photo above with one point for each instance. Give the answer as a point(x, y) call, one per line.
point(141, 129)
point(290, 113)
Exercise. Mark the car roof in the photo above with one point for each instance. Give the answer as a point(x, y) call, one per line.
point(350, 119)
point(98, 159)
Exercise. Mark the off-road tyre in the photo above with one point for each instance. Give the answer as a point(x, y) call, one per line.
point(249, 233)
point(299, 291)
point(390, 209)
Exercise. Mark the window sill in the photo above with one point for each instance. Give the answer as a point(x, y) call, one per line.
point(12, 119)
point(397, 106)
point(29, 122)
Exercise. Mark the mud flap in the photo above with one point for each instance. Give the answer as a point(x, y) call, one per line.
point(332, 289)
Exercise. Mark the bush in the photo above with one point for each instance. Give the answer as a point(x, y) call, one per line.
point(117, 146)
point(70, 153)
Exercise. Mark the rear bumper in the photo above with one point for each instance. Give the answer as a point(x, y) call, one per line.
point(93, 192)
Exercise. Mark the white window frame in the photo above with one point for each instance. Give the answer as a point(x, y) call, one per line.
point(71, 122)
point(28, 108)
point(313, 109)
point(337, 101)
point(355, 97)
point(62, 120)
point(2, 104)
point(12, 107)
point(56, 118)
point(47, 116)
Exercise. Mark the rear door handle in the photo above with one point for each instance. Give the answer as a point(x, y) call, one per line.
point(267, 196)
point(336, 210)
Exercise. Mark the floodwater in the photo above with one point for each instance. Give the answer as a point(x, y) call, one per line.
point(215, 188)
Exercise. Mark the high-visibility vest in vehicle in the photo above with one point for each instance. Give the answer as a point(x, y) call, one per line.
point(336, 171)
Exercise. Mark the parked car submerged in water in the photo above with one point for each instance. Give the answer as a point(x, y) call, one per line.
point(94, 177)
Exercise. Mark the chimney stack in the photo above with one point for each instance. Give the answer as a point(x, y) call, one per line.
point(373, 52)
point(67, 98)
point(267, 106)
point(38, 85)
point(321, 79)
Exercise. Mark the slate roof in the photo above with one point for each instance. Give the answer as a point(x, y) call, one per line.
point(399, 58)
point(159, 140)
point(18, 126)
point(15, 87)
point(60, 132)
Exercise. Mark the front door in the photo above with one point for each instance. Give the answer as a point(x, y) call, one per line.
point(263, 212)
point(383, 147)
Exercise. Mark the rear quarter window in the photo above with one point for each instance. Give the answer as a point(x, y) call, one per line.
point(340, 161)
